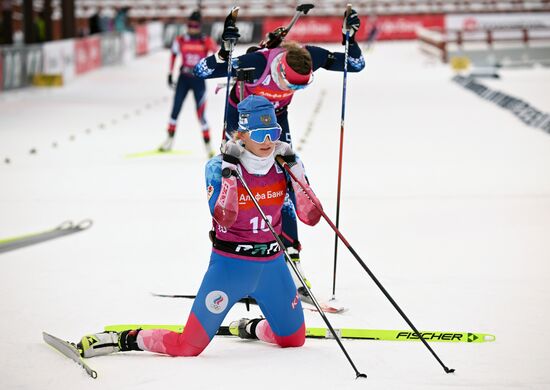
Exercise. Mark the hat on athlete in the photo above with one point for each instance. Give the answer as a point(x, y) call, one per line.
point(257, 113)
point(194, 19)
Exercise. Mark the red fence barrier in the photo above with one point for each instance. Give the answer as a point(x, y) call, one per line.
point(394, 27)
point(329, 29)
point(87, 54)
point(141, 40)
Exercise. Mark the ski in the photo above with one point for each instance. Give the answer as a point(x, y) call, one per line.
point(64, 229)
point(346, 333)
point(69, 350)
point(327, 308)
point(307, 304)
point(401, 335)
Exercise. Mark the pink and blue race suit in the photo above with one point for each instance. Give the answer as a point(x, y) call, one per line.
point(245, 261)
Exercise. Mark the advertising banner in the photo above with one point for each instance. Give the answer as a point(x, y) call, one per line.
point(87, 54)
point(18, 65)
point(13, 68)
point(308, 29)
point(33, 61)
point(251, 32)
point(497, 21)
point(141, 40)
point(397, 27)
point(523, 110)
point(128, 46)
point(59, 58)
point(111, 48)
point(329, 29)
point(154, 36)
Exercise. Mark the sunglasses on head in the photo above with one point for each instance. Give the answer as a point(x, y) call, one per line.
point(260, 135)
point(294, 87)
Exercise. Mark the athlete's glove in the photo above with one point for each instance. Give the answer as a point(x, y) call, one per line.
point(226, 208)
point(170, 80)
point(230, 36)
point(230, 157)
point(351, 23)
point(284, 150)
point(274, 38)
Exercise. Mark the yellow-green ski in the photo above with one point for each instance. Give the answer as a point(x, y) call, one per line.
point(69, 350)
point(347, 333)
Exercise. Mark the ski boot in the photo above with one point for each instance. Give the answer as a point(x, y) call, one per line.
point(209, 152)
point(245, 328)
point(105, 343)
point(167, 145)
point(304, 295)
point(294, 255)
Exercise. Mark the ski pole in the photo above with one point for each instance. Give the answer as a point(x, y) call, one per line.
point(228, 173)
point(244, 75)
point(342, 117)
point(276, 37)
point(234, 13)
point(301, 9)
point(284, 164)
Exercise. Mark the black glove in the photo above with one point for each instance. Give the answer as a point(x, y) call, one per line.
point(274, 38)
point(230, 36)
point(170, 80)
point(351, 23)
point(253, 49)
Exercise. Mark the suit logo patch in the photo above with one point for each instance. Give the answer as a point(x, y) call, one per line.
point(210, 191)
point(216, 301)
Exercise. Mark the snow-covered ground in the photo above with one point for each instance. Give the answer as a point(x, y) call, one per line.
point(445, 196)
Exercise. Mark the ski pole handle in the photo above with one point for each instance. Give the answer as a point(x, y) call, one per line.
point(234, 13)
point(348, 13)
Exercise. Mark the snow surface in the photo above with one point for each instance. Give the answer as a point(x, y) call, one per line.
point(444, 195)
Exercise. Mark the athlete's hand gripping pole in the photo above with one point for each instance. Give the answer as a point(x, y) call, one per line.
point(227, 172)
point(312, 197)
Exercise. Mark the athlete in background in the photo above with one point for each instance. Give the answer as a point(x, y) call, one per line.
point(280, 71)
point(191, 46)
point(373, 33)
point(246, 259)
